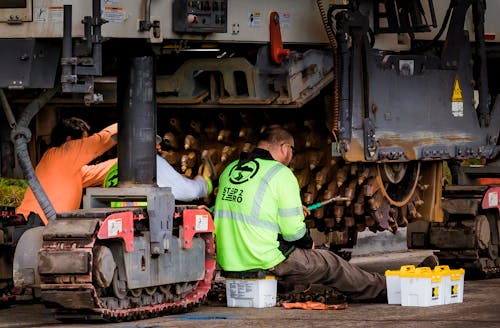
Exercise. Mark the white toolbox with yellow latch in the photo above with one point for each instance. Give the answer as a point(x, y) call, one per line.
point(422, 287)
point(453, 283)
point(393, 282)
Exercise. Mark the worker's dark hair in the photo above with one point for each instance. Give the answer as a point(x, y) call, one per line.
point(73, 127)
point(274, 134)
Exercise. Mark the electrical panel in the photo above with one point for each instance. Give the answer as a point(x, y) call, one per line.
point(196, 16)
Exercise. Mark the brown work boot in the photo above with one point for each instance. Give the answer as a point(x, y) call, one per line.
point(430, 261)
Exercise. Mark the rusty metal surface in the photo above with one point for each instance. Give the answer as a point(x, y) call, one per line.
point(64, 262)
point(76, 229)
point(461, 206)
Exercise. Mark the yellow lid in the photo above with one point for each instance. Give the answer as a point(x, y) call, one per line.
point(443, 269)
point(391, 273)
point(457, 274)
point(424, 272)
point(404, 268)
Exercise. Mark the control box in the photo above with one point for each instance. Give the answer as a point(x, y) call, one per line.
point(197, 16)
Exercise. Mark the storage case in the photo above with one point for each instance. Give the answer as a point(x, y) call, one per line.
point(256, 293)
point(453, 281)
point(422, 287)
point(456, 287)
point(393, 282)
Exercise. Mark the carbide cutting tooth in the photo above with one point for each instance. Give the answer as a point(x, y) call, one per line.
point(307, 198)
point(211, 132)
point(228, 154)
point(191, 143)
point(423, 186)
point(322, 176)
point(417, 201)
point(319, 213)
point(329, 222)
point(299, 162)
point(224, 136)
point(412, 211)
point(338, 211)
point(363, 175)
point(370, 188)
point(175, 124)
point(315, 158)
point(359, 208)
point(172, 157)
point(196, 126)
point(303, 177)
point(349, 221)
point(350, 191)
point(170, 141)
point(341, 176)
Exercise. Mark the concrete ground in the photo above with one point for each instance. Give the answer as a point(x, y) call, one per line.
point(480, 308)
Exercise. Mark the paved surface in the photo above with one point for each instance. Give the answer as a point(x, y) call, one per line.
point(480, 308)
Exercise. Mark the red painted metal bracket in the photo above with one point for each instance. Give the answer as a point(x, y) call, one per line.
point(119, 225)
point(492, 198)
point(195, 221)
point(277, 51)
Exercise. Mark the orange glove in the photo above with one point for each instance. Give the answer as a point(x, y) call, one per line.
point(314, 306)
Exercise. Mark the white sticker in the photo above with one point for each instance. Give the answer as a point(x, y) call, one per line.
point(113, 11)
point(493, 199)
point(457, 108)
point(201, 222)
point(40, 14)
point(254, 19)
point(114, 227)
point(55, 14)
point(284, 21)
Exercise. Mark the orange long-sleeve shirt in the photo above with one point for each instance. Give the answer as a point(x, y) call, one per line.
point(63, 172)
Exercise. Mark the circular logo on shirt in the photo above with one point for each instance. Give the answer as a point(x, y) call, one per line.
point(243, 173)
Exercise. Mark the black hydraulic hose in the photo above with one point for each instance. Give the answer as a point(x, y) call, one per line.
point(333, 125)
point(483, 106)
point(7, 110)
point(20, 136)
point(441, 29)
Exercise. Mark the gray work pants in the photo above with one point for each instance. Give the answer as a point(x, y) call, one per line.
point(311, 266)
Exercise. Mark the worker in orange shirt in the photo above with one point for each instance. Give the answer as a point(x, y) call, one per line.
point(63, 171)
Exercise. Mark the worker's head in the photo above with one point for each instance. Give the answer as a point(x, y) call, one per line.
point(279, 142)
point(69, 129)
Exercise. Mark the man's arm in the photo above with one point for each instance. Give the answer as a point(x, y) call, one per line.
point(293, 229)
point(94, 175)
point(87, 149)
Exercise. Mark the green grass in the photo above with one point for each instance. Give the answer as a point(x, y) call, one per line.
point(12, 191)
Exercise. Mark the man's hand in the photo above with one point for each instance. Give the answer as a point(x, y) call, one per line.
point(305, 211)
point(206, 208)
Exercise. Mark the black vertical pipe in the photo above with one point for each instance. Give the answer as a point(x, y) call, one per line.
point(67, 46)
point(137, 125)
point(97, 45)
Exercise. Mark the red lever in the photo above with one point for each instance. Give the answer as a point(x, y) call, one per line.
point(277, 51)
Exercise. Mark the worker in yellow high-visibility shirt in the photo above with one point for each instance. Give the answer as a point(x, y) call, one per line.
point(259, 224)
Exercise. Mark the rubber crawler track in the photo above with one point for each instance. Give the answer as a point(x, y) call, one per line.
point(86, 293)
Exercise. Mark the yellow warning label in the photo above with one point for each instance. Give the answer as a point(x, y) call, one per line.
point(457, 91)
